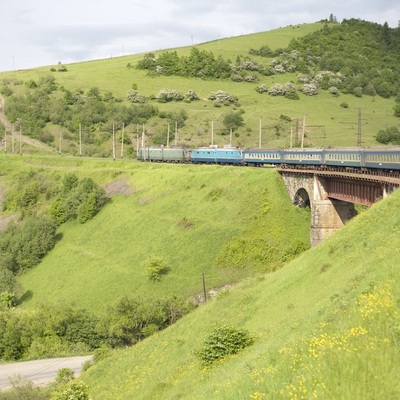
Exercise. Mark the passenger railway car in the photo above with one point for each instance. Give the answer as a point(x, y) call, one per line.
point(217, 156)
point(382, 157)
point(302, 156)
point(259, 157)
point(164, 154)
point(346, 156)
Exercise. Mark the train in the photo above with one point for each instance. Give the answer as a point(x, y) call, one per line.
point(376, 158)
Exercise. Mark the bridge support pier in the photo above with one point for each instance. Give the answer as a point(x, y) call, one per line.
point(327, 217)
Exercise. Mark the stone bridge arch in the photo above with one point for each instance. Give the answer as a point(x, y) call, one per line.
point(327, 215)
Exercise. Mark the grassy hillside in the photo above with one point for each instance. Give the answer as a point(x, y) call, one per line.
point(225, 222)
point(326, 326)
point(327, 123)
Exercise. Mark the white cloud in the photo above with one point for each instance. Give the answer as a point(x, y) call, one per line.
point(43, 32)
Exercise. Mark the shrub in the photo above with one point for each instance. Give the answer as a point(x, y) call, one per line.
point(7, 299)
point(135, 97)
point(166, 95)
point(80, 200)
point(74, 390)
point(263, 88)
point(24, 389)
point(396, 110)
point(131, 318)
point(156, 267)
point(191, 95)
point(221, 97)
point(309, 89)
point(389, 136)
point(24, 245)
point(223, 341)
point(333, 90)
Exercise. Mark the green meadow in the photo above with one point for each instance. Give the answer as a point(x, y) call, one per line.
point(326, 122)
point(223, 222)
point(325, 326)
point(324, 321)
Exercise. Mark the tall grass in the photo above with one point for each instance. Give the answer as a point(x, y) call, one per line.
point(325, 326)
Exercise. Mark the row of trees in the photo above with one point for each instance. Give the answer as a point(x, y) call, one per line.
point(58, 330)
point(363, 54)
point(24, 244)
point(42, 103)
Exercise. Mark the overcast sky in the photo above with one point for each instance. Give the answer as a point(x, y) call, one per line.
point(37, 33)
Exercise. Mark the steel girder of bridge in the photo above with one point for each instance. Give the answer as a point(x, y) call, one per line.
point(364, 189)
point(331, 196)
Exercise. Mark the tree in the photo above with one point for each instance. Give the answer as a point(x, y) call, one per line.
point(155, 267)
point(385, 35)
point(233, 120)
point(396, 110)
point(389, 136)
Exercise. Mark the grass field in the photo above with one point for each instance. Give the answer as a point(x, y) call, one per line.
point(325, 323)
point(325, 326)
point(225, 222)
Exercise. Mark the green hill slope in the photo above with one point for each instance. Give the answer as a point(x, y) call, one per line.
point(329, 120)
point(326, 326)
point(225, 222)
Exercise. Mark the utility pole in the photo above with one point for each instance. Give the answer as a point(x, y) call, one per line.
point(80, 139)
point(303, 132)
point(359, 125)
point(259, 134)
point(113, 141)
point(291, 136)
point(212, 132)
point(230, 138)
point(59, 143)
point(137, 139)
point(204, 289)
point(122, 140)
point(168, 131)
point(12, 139)
point(176, 132)
point(20, 140)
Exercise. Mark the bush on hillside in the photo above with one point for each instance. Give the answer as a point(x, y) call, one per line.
point(24, 389)
point(389, 136)
point(131, 319)
point(167, 95)
point(51, 330)
point(156, 267)
point(135, 97)
point(224, 340)
point(223, 98)
point(73, 390)
point(80, 200)
point(23, 246)
point(28, 190)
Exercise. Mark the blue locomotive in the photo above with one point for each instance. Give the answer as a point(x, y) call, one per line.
point(213, 155)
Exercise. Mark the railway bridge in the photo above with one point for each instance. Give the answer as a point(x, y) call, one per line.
point(331, 195)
